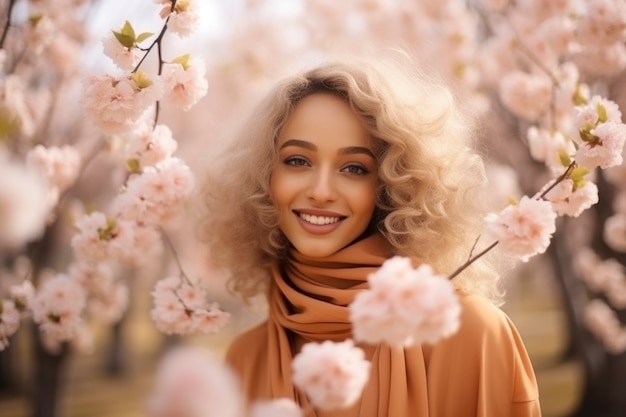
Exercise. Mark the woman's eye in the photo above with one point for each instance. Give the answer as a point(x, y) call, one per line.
point(296, 161)
point(355, 169)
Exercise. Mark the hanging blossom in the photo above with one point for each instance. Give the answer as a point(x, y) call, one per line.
point(146, 146)
point(607, 277)
point(101, 238)
point(191, 383)
point(184, 81)
point(601, 132)
point(614, 232)
point(603, 322)
point(523, 229)
point(405, 306)
point(571, 198)
point(13, 309)
point(184, 17)
point(157, 195)
point(182, 308)
point(59, 165)
point(115, 104)
point(281, 407)
point(331, 374)
point(547, 146)
point(57, 309)
point(24, 203)
point(526, 95)
point(107, 298)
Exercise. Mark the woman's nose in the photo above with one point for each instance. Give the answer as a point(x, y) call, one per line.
point(322, 187)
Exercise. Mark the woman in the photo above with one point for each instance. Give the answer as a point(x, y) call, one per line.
point(338, 169)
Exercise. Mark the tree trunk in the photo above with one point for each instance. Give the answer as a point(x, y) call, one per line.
point(49, 375)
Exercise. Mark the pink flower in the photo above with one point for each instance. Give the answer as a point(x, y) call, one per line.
point(282, 407)
point(331, 374)
point(58, 308)
point(588, 115)
point(524, 229)
point(545, 146)
point(572, 202)
point(185, 85)
point(405, 306)
point(191, 383)
point(125, 58)
point(156, 196)
point(605, 325)
point(526, 95)
point(614, 232)
point(604, 149)
point(150, 146)
point(24, 203)
point(22, 295)
point(183, 308)
point(115, 104)
point(184, 18)
point(60, 165)
point(9, 322)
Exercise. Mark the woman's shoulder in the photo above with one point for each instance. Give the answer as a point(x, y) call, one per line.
point(247, 346)
point(480, 315)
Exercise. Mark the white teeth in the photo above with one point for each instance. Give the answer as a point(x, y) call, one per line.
point(319, 220)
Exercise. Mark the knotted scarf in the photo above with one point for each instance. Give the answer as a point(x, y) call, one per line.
point(308, 302)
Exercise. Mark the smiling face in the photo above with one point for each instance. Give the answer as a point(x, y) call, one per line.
point(324, 182)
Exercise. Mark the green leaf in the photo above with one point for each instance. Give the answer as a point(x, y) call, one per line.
point(564, 158)
point(34, 19)
point(141, 79)
point(133, 165)
point(106, 233)
point(602, 113)
point(128, 30)
point(9, 124)
point(125, 40)
point(578, 97)
point(578, 173)
point(586, 136)
point(143, 36)
point(182, 60)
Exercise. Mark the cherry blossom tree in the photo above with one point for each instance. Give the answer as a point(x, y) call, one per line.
point(547, 77)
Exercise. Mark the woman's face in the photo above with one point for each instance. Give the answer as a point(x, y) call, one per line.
point(324, 182)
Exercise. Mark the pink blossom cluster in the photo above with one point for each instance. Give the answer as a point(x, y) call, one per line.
point(107, 297)
point(59, 165)
point(58, 310)
point(190, 382)
point(24, 202)
point(100, 238)
point(405, 306)
point(185, 84)
point(331, 374)
point(184, 17)
point(13, 309)
point(603, 277)
point(181, 307)
point(157, 195)
point(603, 322)
point(602, 134)
point(147, 146)
point(569, 200)
point(523, 229)
point(115, 104)
point(125, 58)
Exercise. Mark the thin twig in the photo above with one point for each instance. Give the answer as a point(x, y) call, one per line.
point(5, 29)
point(472, 259)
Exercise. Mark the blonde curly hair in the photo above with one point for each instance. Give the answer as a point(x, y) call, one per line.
point(430, 174)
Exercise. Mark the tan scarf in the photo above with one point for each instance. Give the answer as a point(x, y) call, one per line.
point(308, 303)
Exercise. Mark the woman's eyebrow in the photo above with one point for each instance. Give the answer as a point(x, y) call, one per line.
point(349, 150)
point(300, 143)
